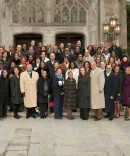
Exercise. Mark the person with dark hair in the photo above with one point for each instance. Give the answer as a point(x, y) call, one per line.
point(44, 88)
point(44, 57)
point(58, 93)
point(16, 96)
point(16, 59)
point(84, 94)
point(90, 48)
point(124, 63)
point(36, 64)
point(79, 62)
point(4, 94)
point(73, 68)
point(110, 89)
point(126, 93)
point(99, 55)
point(65, 65)
point(117, 60)
point(70, 95)
point(87, 67)
point(117, 99)
point(5, 60)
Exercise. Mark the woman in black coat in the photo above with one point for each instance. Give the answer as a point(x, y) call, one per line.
point(16, 96)
point(84, 94)
point(110, 92)
point(117, 99)
point(70, 95)
point(4, 94)
point(44, 87)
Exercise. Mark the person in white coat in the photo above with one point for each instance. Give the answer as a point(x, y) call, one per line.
point(97, 91)
point(28, 86)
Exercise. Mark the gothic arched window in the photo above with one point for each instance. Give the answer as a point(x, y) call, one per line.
point(65, 15)
point(74, 15)
point(57, 16)
point(24, 13)
point(15, 15)
point(82, 15)
point(32, 15)
point(40, 15)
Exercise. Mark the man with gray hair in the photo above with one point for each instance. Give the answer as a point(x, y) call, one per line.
point(28, 86)
point(97, 91)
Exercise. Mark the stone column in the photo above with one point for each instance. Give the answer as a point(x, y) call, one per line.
point(48, 11)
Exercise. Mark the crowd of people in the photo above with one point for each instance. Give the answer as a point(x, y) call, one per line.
point(64, 77)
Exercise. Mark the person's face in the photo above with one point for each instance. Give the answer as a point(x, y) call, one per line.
point(72, 65)
point(42, 65)
point(19, 48)
point(78, 43)
point(16, 71)
point(113, 65)
point(5, 55)
point(77, 49)
point(5, 73)
point(40, 45)
point(16, 56)
point(38, 61)
point(86, 53)
point(70, 75)
point(80, 58)
point(94, 47)
point(99, 50)
point(86, 65)
point(111, 60)
point(33, 43)
point(59, 72)
point(55, 48)
point(101, 44)
point(114, 43)
point(29, 68)
point(31, 50)
point(11, 48)
point(117, 69)
point(69, 45)
point(44, 74)
point(113, 54)
point(105, 51)
point(67, 51)
point(127, 71)
point(125, 59)
point(66, 60)
point(89, 48)
point(61, 46)
point(12, 65)
point(93, 66)
point(24, 46)
point(43, 55)
point(108, 68)
point(52, 56)
point(1, 50)
point(102, 65)
point(98, 60)
point(30, 58)
point(23, 60)
point(82, 71)
point(43, 48)
point(56, 65)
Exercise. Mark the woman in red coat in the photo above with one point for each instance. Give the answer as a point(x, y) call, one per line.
point(126, 92)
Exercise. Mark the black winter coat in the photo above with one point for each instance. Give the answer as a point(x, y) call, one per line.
point(41, 97)
point(16, 96)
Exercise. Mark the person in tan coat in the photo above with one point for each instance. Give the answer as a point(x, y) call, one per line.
point(87, 57)
point(97, 91)
point(28, 86)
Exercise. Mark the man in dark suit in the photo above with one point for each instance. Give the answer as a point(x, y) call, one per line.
point(117, 50)
point(11, 52)
point(50, 63)
point(71, 57)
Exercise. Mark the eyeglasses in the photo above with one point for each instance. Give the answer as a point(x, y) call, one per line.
point(108, 68)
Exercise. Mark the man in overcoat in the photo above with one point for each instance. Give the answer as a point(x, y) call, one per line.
point(28, 85)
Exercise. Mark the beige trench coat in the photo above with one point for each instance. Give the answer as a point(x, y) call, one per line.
point(97, 89)
point(29, 86)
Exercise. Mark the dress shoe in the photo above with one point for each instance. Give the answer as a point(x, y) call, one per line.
point(106, 116)
point(34, 117)
point(97, 119)
point(111, 118)
point(16, 117)
point(27, 117)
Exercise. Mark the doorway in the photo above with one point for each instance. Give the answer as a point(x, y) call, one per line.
point(27, 38)
point(69, 38)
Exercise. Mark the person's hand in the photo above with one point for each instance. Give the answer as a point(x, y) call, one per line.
point(111, 97)
point(23, 94)
point(62, 93)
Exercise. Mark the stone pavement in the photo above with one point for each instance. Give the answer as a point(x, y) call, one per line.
point(49, 137)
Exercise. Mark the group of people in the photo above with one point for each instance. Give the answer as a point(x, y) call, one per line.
point(72, 78)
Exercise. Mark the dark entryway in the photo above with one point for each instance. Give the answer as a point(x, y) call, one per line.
point(27, 38)
point(69, 38)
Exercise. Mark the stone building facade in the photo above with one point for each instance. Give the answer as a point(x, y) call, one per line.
point(50, 18)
